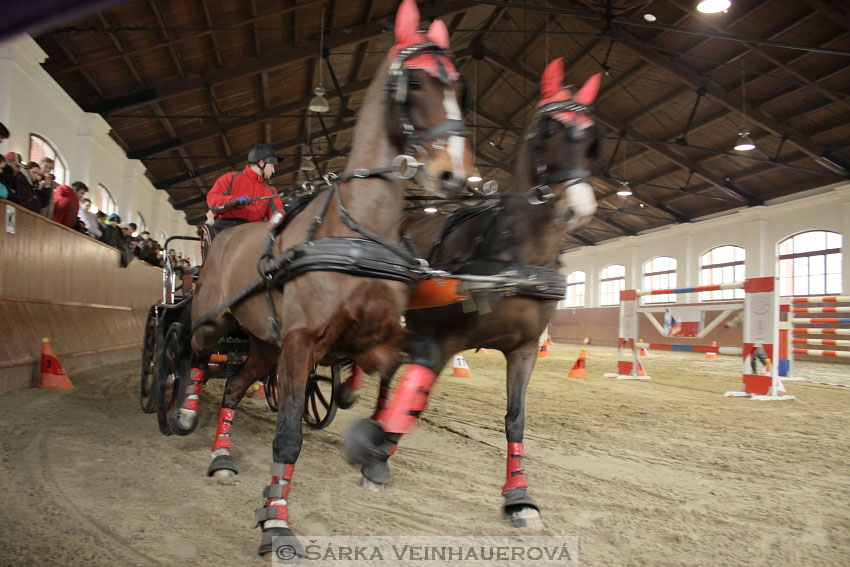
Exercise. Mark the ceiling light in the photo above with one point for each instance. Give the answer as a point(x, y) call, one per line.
point(649, 17)
point(624, 189)
point(745, 143)
point(319, 103)
point(430, 209)
point(307, 164)
point(475, 176)
point(713, 6)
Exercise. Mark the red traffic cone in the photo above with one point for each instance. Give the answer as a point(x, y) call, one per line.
point(548, 341)
point(460, 368)
point(257, 390)
point(51, 375)
point(481, 350)
point(712, 354)
point(543, 352)
point(579, 368)
point(643, 351)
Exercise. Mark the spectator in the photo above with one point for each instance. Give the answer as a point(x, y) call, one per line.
point(89, 219)
point(66, 202)
point(20, 186)
point(4, 133)
point(48, 186)
point(113, 235)
point(4, 192)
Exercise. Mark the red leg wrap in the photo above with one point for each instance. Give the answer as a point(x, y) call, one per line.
point(355, 381)
point(516, 471)
point(222, 434)
point(279, 511)
point(409, 400)
point(194, 389)
point(383, 397)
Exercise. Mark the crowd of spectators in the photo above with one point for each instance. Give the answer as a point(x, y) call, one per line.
point(32, 185)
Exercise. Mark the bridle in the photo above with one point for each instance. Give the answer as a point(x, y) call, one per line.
point(544, 178)
point(397, 89)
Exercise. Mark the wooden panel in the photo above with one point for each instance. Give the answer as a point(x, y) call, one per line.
point(60, 284)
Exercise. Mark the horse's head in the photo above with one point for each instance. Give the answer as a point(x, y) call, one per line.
point(561, 140)
point(425, 94)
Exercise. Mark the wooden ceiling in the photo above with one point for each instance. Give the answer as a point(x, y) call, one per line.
point(189, 86)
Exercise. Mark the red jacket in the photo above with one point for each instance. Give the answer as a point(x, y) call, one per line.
point(65, 205)
point(243, 183)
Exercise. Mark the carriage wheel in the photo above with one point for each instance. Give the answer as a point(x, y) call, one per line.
point(270, 387)
point(319, 399)
point(153, 335)
point(173, 364)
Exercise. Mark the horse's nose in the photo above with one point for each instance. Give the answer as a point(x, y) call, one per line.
point(449, 181)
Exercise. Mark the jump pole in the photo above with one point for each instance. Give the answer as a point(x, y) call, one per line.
point(788, 331)
point(761, 327)
point(628, 365)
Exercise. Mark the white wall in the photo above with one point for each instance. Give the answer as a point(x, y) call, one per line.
point(32, 102)
point(756, 229)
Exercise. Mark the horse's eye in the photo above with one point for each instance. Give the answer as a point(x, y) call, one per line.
point(414, 84)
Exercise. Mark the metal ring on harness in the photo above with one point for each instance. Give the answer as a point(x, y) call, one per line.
point(406, 166)
point(540, 194)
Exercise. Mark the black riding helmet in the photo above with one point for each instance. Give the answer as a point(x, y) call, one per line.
point(263, 152)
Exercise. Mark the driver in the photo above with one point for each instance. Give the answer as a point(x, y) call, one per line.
point(239, 188)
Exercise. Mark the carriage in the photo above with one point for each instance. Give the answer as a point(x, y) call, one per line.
point(166, 353)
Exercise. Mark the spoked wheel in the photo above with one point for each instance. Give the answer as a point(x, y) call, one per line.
point(174, 363)
point(153, 335)
point(319, 400)
point(270, 387)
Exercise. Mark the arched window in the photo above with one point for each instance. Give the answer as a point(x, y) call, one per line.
point(810, 264)
point(162, 237)
point(141, 225)
point(612, 280)
point(659, 273)
point(723, 264)
point(105, 202)
point(41, 148)
point(575, 290)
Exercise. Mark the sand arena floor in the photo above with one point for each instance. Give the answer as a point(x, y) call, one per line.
point(665, 472)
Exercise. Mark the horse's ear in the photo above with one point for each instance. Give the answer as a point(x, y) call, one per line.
point(587, 93)
point(553, 79)
point(406, 21)
point(439, 33)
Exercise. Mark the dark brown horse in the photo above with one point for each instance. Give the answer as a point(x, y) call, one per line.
point(336, 279)
point(520, 235)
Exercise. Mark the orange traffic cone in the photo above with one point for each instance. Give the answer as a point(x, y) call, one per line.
point(548, 340)
point(52, 376)
point(643, 351)
point(579, 368)
point(460, 368)
point(481, 350)
point(641, 371)
point(586, 341)
point(257, 390)
point(543, 352)
point(712, 354)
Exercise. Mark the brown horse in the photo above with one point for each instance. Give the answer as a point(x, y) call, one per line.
point(334, 282)
point(521, 234)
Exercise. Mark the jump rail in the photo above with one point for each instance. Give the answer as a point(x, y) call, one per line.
point(788, 328)
point(760, 329)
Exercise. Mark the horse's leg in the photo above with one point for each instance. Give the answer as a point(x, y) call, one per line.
point(204, 339)
point(370, 442)
point(350, 389)
point(294, 365)
point(518, 505)
point(261, 356)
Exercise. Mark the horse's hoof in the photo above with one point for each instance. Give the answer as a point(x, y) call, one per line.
point(223, 466)
point(526, 517)
point(283, 543)
point(377, 472)
point(183, 421)
point(367, 484)
point(345, 397)
point(365, 442)
point(521, 509)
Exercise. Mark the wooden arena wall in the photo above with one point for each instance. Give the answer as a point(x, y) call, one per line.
point(60, 284)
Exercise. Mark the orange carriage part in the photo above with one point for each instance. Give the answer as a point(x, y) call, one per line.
point(435, 292)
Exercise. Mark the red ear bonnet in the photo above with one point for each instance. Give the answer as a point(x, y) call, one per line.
point(552, 90)
point(407, 34)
